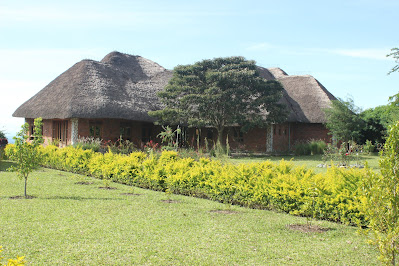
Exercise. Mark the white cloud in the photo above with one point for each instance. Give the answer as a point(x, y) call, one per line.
point(377, 54)
point(373, 53)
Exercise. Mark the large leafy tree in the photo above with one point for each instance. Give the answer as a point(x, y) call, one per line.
point(377, 121)
point(343, 120)
point(219, 93)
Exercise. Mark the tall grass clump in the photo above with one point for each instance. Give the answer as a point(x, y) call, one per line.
point(312, 147)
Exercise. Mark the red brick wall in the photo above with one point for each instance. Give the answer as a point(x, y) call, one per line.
point(305, 132)
point(281, 137)
point(110, 129)
point(284, 135)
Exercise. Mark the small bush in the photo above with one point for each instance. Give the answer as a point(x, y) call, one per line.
point(89, 143)
point(302, 148)
point(368, 147)
point(312, 147)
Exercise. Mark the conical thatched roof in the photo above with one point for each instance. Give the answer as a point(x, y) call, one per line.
point(304, 96)
point(125, 86)
point(119, 86)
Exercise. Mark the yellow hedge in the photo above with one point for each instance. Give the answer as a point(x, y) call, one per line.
point(335, 195)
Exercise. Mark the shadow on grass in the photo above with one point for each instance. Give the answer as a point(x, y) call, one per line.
point(79, 198)
point(4, 165)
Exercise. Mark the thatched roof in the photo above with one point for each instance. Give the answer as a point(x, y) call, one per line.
point(304, 96)
point(119, 86)
point(125, 86)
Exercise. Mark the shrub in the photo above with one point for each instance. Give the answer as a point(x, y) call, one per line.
point(89, 143)
point(302, 148)
point(334, 196)
point(312, 147)
point(368, 147)
point(382, 199)
point(317, 147)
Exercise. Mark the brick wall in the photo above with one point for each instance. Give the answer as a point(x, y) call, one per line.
point(284, 135)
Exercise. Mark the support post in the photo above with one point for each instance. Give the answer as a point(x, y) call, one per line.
point(269, 138)
point(74, 131)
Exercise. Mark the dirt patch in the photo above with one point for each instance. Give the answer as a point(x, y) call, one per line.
point(130, 194)
point(107, 188)
point(307, 228)
point(83, 183)
point(224, 211)
point(23, 197)
point(170, 201)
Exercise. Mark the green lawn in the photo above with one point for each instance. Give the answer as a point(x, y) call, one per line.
point(310, 161)
point(69, 223)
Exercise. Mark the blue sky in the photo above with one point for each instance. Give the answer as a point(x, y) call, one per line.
point(341, 43)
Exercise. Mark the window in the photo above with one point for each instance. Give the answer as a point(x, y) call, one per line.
point(95, 129)
point(32, 131)
point(60, 131)
point(125, 131)
point(209, 134)
point(238, 135)
point(146, 133)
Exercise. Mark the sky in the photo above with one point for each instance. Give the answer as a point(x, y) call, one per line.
point(342, 43)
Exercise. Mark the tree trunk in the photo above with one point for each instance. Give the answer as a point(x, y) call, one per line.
point(220, 136)
point(26, 181)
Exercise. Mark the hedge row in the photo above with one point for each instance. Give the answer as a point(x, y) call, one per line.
point(335, 195)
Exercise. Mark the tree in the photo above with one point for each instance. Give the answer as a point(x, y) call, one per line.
point(381, 203)
point(395, 54)
point(343, 120)
point(26, 154)
point(219, 93)
point(377, 122)
point(2, 135)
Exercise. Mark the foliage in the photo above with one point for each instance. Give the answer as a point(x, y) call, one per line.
point(2, 135)
point(121, 146)
point(311, 147)
point(259, 185)
point(382, 199)
point(368, 147)
point(394, 54)
point(377, 121)
point(26, 154)
point(169, 137)
point(19, 261)
point(218, 93)
point(343, 155)
point(343, 120)
point(87, 143)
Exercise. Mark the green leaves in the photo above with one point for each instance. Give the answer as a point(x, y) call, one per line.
point(26, 154)
point(394, 54)
point(219, 93)
point(343, 120)
point(382, 199)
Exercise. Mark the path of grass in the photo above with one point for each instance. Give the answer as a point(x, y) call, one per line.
point(310, 161)
point(76, 224)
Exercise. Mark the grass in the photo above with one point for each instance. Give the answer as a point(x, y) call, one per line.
point(68, 223)
point(310, 161)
